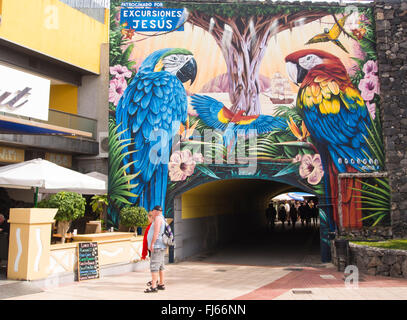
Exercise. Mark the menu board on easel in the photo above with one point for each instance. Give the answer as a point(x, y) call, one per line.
point(88, 261)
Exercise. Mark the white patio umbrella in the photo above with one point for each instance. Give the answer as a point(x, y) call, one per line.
point(282, 197)
point(300, 194)
point(48, 177)
point(97, 175)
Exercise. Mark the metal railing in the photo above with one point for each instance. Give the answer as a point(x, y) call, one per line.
point(64, 120)
point(72, 121)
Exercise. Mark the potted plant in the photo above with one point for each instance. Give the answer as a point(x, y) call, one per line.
point(132, 217)
point(99, 205)
point(70, 205)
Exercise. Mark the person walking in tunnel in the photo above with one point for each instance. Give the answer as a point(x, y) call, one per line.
point(314, 213)
point(301, 212)
point(293, 213)
point(282, 214)
point(308, 214)
point(287, 210)
point(270, 216)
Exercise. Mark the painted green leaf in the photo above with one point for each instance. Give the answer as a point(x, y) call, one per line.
point(291, 168)
point(205, 170)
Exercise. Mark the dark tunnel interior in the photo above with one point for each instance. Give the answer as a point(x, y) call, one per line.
point(225, 221)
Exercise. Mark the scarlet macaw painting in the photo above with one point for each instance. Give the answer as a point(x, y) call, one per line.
point(292, 89)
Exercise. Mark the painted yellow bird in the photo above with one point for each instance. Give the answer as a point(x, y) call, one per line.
point(331, 35)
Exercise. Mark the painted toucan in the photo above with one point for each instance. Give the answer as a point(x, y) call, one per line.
point(332, 34)
point(336, 117)
point(151, 109)
point(215, 115)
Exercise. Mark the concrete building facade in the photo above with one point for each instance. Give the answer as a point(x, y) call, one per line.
point(65, 43)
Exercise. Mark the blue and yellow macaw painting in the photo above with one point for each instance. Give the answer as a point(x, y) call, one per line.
point(153, 106)
point(296, 87)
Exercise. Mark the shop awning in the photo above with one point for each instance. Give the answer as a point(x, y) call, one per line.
point(49, 178)
point(22, 126)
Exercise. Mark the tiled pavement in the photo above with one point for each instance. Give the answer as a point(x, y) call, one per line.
point(212, 281)
point(284, 266)
point(329, 284)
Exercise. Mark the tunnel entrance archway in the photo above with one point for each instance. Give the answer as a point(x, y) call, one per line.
point(224, 214)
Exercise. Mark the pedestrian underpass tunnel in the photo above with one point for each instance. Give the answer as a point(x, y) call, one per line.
point(218, 214)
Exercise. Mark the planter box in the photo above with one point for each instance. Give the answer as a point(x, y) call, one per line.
point(29, 242)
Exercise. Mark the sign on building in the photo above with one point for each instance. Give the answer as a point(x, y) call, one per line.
point(11, 155)
point(23, 94)
point(64, 160)
point(151, 16)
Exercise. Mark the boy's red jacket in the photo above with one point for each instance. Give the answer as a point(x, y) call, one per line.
point(145, 244)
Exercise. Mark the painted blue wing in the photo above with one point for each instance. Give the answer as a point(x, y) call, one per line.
point(264, 124)
point(341, 134)
point(208, 109)
point(151, 109)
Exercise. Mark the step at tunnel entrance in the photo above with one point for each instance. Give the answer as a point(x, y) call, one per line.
point(225, 221)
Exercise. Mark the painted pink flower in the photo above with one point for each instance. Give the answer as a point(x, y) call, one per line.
point(311, 168)
point(352, 22)
point(352, 70)
point(198, 157)
point(371, 107)
point(117, 18)
point(297, 158)
point(192, 113)
point(116, 90)
point(119, 71)
point(364, 18)
point(368, 86)
point(358, 51)
point(181, 165)
point(370, 68)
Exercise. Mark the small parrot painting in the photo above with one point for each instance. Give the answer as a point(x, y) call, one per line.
point(150, 113)
point(332, 34)
point(215, 115)
point(334, 113)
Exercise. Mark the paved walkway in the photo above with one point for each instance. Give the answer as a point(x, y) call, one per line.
point(212, 281)
point(283, 266)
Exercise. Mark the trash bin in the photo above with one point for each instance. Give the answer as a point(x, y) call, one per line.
point(342, 249)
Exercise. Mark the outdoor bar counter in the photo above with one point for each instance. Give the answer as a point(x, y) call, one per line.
point(32, 257)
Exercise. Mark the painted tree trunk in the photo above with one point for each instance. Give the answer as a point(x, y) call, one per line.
point(243, 41)
point(243, 74)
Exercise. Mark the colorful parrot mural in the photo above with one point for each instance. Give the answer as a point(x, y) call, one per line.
point(334, 113)
point(319, 64)
point(331, 34)
point(151, 110)
point(214, 114)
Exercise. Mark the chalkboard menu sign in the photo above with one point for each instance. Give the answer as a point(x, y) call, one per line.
point(88, 261)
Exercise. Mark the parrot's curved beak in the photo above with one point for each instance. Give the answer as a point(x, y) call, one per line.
point(296, 72)
point(188, 71)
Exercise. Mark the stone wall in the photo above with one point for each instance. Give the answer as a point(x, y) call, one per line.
point(373, 261)
point(379, 233)
point(391, 27)
point(379, 261)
